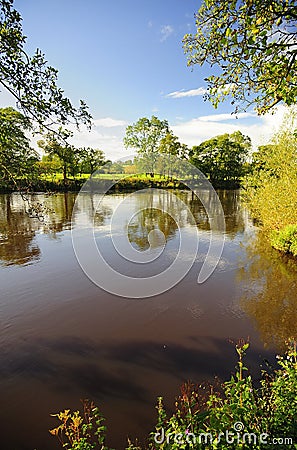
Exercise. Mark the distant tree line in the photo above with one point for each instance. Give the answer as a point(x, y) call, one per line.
point(224, 159)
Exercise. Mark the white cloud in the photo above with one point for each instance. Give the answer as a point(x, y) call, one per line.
point(199, 91)
point(190, 93)
point(223, 117)
point(195, 131)
point(150, 24)
point(108, 122)
point(166, 31)
point(103, 135)
point(111, 142)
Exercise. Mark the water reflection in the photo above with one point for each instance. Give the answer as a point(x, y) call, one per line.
point(155, 219)
point(17, 244)
point(64, 339)
point(269, 282)
point(270, 297)
point(236, 217)
point(146, 221)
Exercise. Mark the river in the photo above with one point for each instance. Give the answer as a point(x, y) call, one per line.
point(63, 338)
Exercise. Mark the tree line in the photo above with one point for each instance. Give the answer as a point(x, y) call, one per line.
point(223, 159)
point(251, 43)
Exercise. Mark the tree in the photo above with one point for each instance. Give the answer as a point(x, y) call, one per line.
point(271, 189)
point(253, 43)
point(222, 158)
point(145, 136)
point(17, 158)
point(91, 159)
point(49, 165)
point(31, 80)
point(171, 148)
point(170, 145)
point(117, 167)
point(65, 152)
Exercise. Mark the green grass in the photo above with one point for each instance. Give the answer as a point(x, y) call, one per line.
point(58, 176)
point(104, 176)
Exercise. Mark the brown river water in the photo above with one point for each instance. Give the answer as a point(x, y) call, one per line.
point(63, 338)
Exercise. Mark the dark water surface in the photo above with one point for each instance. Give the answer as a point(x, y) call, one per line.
point(64, 339)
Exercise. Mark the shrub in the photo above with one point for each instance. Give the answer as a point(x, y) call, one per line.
point(236, 411)
point(285, 240)
point(271, 188)
point(81, 431)
point(233, 415)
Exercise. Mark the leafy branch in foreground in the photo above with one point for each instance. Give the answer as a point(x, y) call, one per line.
point(253, 44)
point(31, 81)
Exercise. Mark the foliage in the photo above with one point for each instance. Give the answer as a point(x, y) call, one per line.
point(271, 188)
point(233, 415)
point(285, 240)
point(49, 166)
point(253, 44)
point(206, 417)
point(172, 151)
point(90, 159)
point(65, 152)
point(222, 158)
point(170, 145)
point(130, 168)
point(145, 136)
point(81, 431)
point(30, 79)
point(72, 160)
point(17, 158)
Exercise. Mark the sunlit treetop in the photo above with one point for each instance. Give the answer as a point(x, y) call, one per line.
point(30, 79)
point(252, 45)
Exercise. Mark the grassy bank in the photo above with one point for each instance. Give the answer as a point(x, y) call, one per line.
point(120, 183)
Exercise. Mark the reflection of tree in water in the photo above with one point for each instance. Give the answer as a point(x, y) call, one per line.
point(147, 220)
point(230, 201)
point(270, 297)
point(17, 233)
point(151, 215)
point(60, 209)
point(94, 209)
point(17, 244)
point(233, 210)
point(18, 229)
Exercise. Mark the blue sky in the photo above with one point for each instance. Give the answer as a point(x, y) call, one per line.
point(125, 59)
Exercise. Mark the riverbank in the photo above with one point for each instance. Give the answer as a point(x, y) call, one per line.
point(118, 182)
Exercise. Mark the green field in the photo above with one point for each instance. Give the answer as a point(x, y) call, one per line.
point(58, 176)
